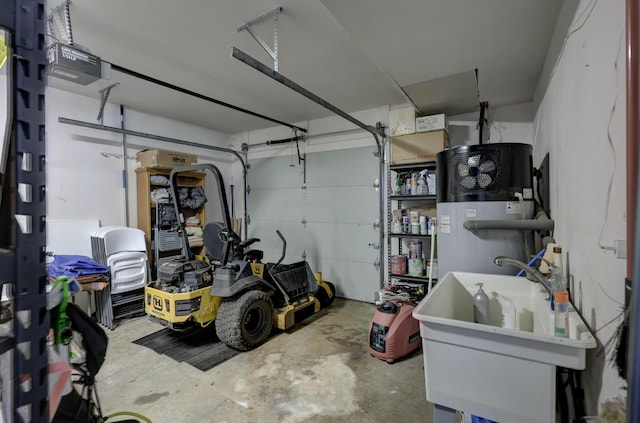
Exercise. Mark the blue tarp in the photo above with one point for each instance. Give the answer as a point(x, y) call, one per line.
point(71, 265)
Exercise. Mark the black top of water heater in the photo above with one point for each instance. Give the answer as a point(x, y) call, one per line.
point(485, 172)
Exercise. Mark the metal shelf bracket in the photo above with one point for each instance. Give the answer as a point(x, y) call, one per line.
point(273, 53)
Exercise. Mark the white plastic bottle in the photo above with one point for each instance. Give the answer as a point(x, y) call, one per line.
point(557, 260)
point(422, 185)
point(481, 306)
point(508, 313)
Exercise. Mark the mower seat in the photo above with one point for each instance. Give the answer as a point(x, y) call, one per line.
point(215, 246)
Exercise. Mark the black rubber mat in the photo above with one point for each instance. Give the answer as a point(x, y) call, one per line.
point(199, 347)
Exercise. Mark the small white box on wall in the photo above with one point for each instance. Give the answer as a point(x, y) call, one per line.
point(432, 123)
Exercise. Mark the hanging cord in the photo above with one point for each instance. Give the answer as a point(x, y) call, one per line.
point(297, 138)
point(613, 151)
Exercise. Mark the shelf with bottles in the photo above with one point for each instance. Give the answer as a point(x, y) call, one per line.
point(429, 198)
point(409, 236)
point(416, 222)
point(413, 181)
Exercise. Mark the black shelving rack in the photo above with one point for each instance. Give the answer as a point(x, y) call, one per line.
point(22, 261)
point(428, 199)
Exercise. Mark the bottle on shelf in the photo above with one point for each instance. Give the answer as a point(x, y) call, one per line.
point(557, 261)
point(414, 183)
point(424, 225)
point(396, 226)
point(422, 184)
point(399, 186)
point(561, 314)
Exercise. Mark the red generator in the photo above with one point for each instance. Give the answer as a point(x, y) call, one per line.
point(393, 332)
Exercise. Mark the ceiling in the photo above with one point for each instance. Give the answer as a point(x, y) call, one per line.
point(356, 55)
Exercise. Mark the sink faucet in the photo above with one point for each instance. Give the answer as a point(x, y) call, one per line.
point(537, 276)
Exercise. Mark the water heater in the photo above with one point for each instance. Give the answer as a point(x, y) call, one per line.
point(481, 190)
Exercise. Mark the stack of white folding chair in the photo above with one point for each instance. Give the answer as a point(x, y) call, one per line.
point(124, 251)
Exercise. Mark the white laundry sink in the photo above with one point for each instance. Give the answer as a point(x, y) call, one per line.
point(497, 373)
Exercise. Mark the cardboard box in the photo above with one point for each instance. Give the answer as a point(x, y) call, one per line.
point(163, 158)
point(402, 121)
point(417, 148)
point(432, 123)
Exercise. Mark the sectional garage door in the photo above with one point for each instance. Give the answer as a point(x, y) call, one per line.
point(331, 220)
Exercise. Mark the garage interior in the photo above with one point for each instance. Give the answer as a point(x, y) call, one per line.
point(334, 133)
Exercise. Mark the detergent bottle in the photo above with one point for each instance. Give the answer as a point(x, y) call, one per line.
point(481, 306)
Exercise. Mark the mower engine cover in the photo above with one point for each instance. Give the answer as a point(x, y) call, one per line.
point(194, 273)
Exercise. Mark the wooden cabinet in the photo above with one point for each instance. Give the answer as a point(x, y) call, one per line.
point(147, 207)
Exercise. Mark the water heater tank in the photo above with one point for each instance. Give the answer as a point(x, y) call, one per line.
point(487, 183)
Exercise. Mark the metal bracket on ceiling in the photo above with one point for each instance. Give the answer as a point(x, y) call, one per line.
point(104, 96)
point(249, 27)
point(61, 15)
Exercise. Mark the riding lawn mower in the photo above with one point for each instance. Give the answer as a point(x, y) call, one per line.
point(231, 287)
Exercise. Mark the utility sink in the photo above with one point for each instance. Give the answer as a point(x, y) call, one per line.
point(506, 375)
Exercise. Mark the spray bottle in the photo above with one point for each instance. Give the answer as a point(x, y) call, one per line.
point(422, 183)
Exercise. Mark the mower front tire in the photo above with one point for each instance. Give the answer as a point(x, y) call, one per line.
point(245, 322)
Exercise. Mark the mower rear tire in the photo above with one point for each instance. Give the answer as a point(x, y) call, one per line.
point(245, 322)
point(323, 297)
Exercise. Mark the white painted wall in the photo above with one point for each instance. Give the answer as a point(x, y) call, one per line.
point(506, 124)
point(84, 166)
point(581, 123)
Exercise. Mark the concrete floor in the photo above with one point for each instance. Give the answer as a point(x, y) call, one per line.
point(320, 371)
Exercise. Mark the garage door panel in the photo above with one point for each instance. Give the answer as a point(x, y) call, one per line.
point(352, 280)
point(271, 244)
point(350, 242)
point(341, 205)
point(275, 172)
point(354, 167)
point(337, 241)
point(281, 204)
